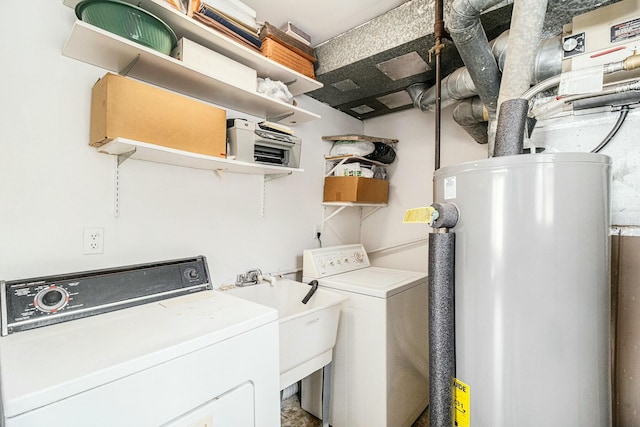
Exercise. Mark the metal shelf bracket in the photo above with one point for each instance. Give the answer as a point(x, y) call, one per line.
point(273, 176)
point(124, 156)
point(334, 213)
point(129, 66)
point(371, 212)
point(340, 207)
point(280, 117)
point(120, 159)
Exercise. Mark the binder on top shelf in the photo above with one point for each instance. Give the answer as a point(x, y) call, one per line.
point(210, 12)
point(238, 5)
point(235, 12)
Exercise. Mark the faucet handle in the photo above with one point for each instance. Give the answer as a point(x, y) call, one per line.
point(254, 275)
point(240, 279)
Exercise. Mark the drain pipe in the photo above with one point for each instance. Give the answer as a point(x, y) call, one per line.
point(442, 359)
point(527, 20)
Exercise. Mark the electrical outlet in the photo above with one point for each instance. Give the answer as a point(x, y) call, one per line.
point(93, 242)
point(316, 229)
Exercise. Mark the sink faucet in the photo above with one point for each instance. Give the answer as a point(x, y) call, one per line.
point(251, 277)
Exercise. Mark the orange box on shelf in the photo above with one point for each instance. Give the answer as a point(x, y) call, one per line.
point(285, 56)
point(122, 107)
point(355, 189)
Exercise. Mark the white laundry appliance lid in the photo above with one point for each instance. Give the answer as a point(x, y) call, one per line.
point(374, 281)
point(44, 365)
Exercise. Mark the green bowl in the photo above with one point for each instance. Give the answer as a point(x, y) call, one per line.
point(128, 21)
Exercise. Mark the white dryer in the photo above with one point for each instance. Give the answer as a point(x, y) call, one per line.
point(381, 362)
point(186, 357)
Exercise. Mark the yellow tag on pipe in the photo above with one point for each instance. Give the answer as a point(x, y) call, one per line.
point(462, 403)
point(418, 215)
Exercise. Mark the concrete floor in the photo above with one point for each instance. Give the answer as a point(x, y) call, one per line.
point(291, 415)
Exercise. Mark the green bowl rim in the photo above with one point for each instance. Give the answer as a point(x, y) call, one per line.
point(80, 6)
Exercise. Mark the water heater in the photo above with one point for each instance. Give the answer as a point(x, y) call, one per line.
point(532, 296)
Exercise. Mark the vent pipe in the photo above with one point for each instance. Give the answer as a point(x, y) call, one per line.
point(459, 86)
point(526, 26)
point(471, 115)
point(472, 44)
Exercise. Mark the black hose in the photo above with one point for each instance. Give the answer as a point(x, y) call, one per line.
point(314, 288)
point(623, 115)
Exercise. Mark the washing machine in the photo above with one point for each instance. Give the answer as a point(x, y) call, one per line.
point(144, 345)
point(380, 360)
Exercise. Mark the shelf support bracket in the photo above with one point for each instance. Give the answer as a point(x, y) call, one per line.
point(280, 117)
point(371, 212)
point(274, 176)
point(129, 66)
point(340, 163)
point(334, 213)
point(120, 158)
point(124, 156)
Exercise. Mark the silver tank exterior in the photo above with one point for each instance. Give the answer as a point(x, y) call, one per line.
point(532, 288)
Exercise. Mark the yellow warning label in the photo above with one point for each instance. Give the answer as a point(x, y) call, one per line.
point(418, 215)
point(462, 403)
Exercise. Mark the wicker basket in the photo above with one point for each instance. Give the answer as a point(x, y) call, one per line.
point(285, 56)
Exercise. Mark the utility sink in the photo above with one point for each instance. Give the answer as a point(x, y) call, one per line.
point(307, 331)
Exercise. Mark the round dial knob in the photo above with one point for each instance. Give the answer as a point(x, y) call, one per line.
point(569, 44)
point(51, 299)
point(358, 256)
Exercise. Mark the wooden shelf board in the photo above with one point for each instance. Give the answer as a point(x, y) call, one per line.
point(355, 158)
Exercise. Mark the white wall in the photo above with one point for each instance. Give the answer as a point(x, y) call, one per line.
point(52, 184)
point(411, 182)
point(584, 132)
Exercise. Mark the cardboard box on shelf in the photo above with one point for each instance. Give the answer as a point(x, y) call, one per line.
point(355, 189)
point(287, 57)
point(268, 31)
point(122, 107)
point(215, 65)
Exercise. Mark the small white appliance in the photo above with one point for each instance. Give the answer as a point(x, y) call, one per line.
point(117, 347)
point(259, 143)
point(381, 362)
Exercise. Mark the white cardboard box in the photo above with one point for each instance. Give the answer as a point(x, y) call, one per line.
point(215, 65)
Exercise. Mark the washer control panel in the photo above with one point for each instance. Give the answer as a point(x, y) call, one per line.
point(323, 262)
point(31, 303)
